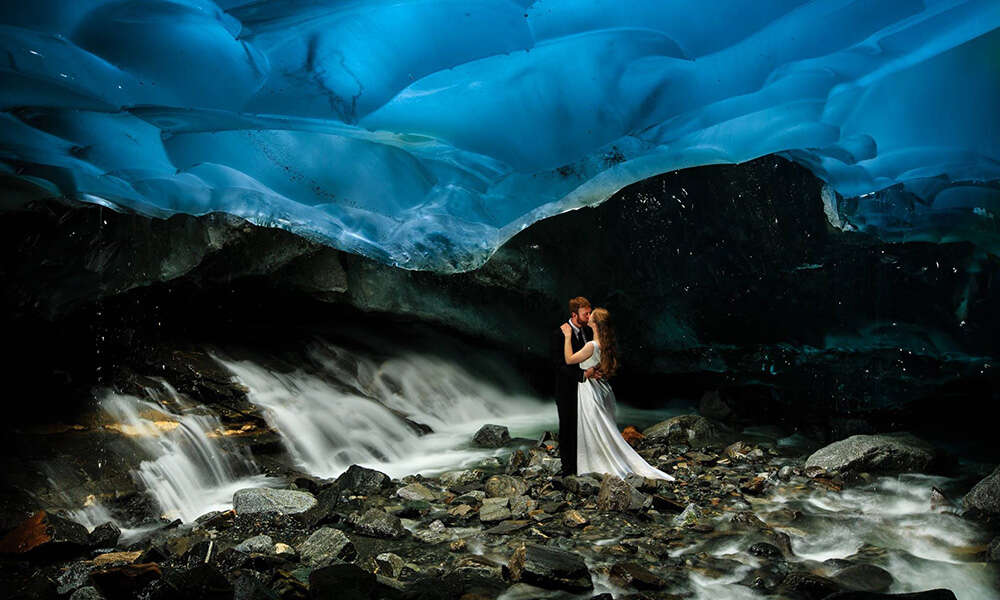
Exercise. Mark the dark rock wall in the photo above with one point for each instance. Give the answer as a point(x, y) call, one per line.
point(723, 277)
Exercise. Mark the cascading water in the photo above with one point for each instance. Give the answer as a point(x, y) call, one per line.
point(190, 470)
point(354, 410)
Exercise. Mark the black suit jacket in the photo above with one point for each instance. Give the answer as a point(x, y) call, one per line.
point(567, 376)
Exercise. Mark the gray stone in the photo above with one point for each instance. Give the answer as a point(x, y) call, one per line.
point(361, 481)
point(505, 486)
point(550, 568)
point(105, 536)
point(881, 454)
point(492, 436)
point(269, 500)
point(326, 545)
point(520, 506)
point(691, 515)
point(389, 564)
point(73, 576)
point(615, 494)
point(379, 524)
point(694, 430)
point(86, 593)
point(582, 485)
point(460, 478)
point(494, 509)
point(258, 544)
point(985, 495)
point(785, 473)
point(864, 578)
point(993, 552)
point(417, 491)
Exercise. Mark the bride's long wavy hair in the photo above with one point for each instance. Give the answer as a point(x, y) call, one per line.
point(600, 320)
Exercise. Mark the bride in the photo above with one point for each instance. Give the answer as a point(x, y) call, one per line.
point(600, 447)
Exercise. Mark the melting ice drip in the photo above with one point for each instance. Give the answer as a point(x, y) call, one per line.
point(354, 411)
point(191, 470)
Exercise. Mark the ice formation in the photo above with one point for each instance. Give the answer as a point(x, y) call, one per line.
point(426, 133)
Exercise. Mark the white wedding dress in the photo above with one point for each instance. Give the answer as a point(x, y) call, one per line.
point(600, 446)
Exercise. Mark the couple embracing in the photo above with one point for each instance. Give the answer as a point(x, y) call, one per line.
point(586, 354)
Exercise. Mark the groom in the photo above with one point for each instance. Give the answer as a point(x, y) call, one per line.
point(568, 377)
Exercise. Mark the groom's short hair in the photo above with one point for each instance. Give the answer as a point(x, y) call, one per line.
point(577, 303)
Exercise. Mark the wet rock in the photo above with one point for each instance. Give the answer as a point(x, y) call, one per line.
point(882, 454)
point(343, 581)
point(864, 578)
point(494, 509)
point(117, 558)
point(285, 551)
point(635, 576)
point(520, 506)
point(72, 577)
point(436, 533)
point(786, 472)
point(258, 544)
point(505, 486)
point(326, 545)
point(582, 485)
point(807, 586)
point(360, 481)
point(755, 486)
point(765, 550)
point(86, 593)
point(691, 515)
point(417, 491)
point(549, 568)
point(389, 564)
point(668, 505)
point(573, 519)
point(747, 521)
point(985, 495)
point(508, 527)
point(45, 536)
point(694, 430)
point(614, 495)
point(492, 436)
point(453, 479)
point(940, 502)
point(379, 524)
point(105, 536)
point(125, 581)
point(268, 500)
point(519, 459)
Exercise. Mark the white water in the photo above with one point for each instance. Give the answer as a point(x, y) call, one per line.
point(350, 411)
point(192, 471)
point(923, 549)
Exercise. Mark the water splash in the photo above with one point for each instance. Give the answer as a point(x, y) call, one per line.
point(191, 471)
point(360, 410)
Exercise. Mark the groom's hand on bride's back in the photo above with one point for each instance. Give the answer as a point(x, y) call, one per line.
point(593, 373)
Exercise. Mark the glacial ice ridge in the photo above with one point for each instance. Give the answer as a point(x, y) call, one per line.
point(426, 133)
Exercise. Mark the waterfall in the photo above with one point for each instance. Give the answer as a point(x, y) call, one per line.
point(191, 469)
point(352, 409)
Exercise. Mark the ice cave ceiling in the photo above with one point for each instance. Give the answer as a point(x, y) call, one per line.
point(425, 133)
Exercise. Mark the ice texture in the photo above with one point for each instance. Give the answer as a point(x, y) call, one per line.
point(425, 134)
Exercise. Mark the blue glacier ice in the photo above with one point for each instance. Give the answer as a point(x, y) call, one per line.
point(426, 133)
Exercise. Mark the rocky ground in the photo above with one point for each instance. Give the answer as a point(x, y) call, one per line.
point(510, 528)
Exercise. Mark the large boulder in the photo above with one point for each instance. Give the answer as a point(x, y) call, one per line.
point(985, 495)
point(692, 430)
point(46, 536)
point(550, 568)
point(361, 481)
point(492, 436)
point(378, 524)
point(269, 500)
point(881, 454)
